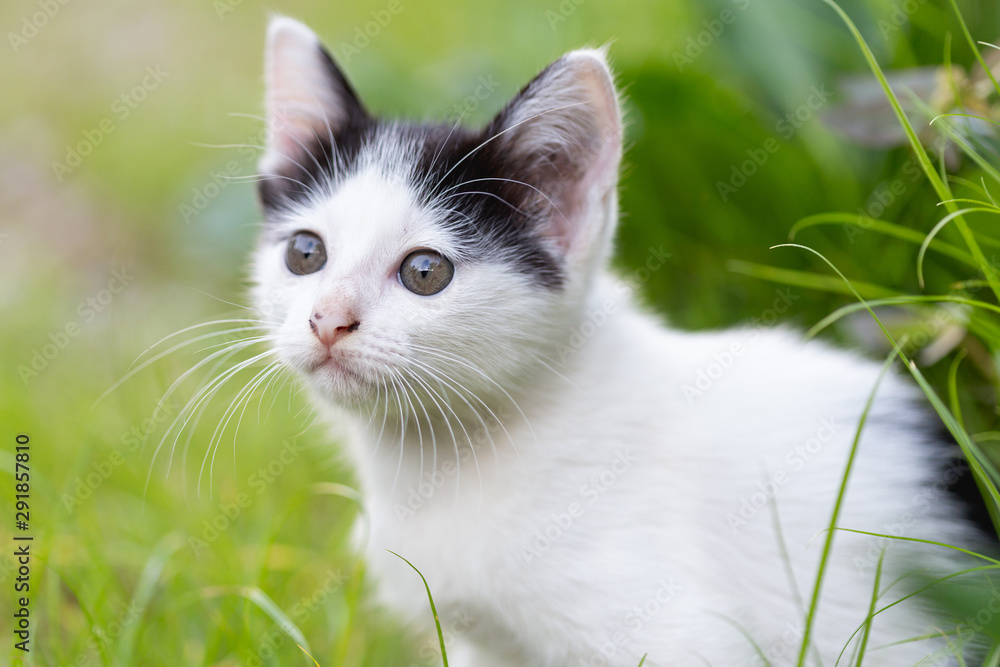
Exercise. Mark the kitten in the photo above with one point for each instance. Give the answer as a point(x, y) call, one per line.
point(538, 446)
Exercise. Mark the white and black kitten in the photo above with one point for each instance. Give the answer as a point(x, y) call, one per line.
point(521, 430)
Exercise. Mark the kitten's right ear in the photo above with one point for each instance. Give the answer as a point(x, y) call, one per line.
point(308, 101)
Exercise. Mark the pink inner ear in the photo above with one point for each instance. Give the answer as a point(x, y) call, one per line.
point(567, 130)
point(289, 133)
point(576, 200)
point(302, 98)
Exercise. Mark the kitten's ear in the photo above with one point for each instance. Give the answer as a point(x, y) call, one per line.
point(308, 99)
point(563, 132)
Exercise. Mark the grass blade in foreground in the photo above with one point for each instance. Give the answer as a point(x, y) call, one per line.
point(837, 505)
point(437, 622)
point(940, 185)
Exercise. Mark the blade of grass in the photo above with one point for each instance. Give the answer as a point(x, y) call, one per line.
point(896, 301)
point(871, 609)
point(919, 540)
point(956, 408)
point(968, 150)
point(806, 279)
point(977, 459)
point(746, 635)
point(835, 514)
point(940, 225)
point(939, 580)
point(144, 591)
point(972, 44)
point(265, 604)
point(940, 185)
point(430, 598)
point(315, 662)
point(882, 227)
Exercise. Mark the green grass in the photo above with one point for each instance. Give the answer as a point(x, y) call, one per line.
point(119, 578)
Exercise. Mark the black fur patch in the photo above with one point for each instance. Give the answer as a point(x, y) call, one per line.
point(489, 214)
point(459, 168)
point(958, 477)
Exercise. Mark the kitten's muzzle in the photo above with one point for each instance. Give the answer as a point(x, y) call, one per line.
point(332, 327)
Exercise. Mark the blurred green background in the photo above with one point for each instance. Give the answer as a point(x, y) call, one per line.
point(109, 110)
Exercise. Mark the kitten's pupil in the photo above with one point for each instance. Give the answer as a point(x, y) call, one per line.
point(426, 272)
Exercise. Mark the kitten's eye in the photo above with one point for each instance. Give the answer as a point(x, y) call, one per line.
point(426, 272)
point(306, 253)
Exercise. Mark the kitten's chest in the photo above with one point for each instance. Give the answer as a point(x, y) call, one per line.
point(461, 519)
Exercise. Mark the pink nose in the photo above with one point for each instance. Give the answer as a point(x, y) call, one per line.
point(332, 327)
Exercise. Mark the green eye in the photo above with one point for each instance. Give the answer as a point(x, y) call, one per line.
point(426, 272)
point(306, 253)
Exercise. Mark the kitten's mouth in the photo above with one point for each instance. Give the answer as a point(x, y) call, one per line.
point(332, 362)
point(337, 366)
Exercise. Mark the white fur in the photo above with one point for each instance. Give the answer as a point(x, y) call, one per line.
point(566, 415)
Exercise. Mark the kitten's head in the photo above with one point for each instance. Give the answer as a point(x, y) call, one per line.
point(423, 256)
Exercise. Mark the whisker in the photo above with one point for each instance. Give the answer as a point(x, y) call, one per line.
point(221, 300)
point(498, 134)
point(454, 439)
point(458, 388)
point(227, 416)
point(540, 358)
point(199, 397)
point(430, 425)
point(385, 414)
point(132, 372)
point(440, 148)
point(402, 434)
point(267, 388)
point(508, 180)
point(486, 377)
point(487, 194)
point(450, 359)
point(204, 145)
point(226, 352)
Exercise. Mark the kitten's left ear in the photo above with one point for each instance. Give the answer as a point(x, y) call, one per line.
point(563, 133)
point(308, 99)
